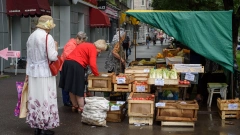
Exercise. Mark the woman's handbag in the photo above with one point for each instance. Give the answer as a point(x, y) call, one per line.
point(24, 98)
point(19, 86)
point(54, 65)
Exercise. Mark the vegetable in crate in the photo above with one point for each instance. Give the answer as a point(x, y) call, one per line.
point(167, 93)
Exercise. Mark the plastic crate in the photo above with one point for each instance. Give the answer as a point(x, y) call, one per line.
point(192, 82)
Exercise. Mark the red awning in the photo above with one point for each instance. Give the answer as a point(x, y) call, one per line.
point(28, 7)
point(98, 18)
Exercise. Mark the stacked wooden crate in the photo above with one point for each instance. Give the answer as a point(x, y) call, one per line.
point(100, 83)
point(229, 108)
point(141, 75)
point(141, 108)
point(177, 113)
point(123, 82)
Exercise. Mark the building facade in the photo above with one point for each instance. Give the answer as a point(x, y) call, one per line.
point(70, 17)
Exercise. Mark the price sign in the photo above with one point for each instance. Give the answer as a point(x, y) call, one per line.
point(189, 76)
point(120, 102)
point(160, 104)
point(146, 70)
point(159, 81)
point(232, 106)
point(121, 80)
point(115, 108)
point(140, 88)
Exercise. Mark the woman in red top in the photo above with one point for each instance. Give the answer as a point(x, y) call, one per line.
point(68, 48)
point(72, 75)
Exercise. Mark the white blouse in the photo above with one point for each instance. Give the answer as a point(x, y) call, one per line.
point(37, 63)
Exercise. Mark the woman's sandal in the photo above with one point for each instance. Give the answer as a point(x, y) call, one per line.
point(80, 110)
point(74, 108)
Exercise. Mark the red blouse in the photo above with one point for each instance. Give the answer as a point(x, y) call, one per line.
point(85, 54)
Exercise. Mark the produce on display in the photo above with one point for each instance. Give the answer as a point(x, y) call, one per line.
point(151, 97)
point(159, 56)
point(184, 82)
point(163, 74)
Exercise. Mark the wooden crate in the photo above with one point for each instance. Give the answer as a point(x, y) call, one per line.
point(177, 111)
point(140, 108)
point(100, 83)
point(166, 81)
point(118, 115)
point(140, 120)
point(122, 88)
point(140, 73)
point(192, 68)
point(140, 86)
point(127, 78)
point(229, 108)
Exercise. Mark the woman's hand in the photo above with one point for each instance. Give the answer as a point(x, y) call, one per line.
point(56, 45)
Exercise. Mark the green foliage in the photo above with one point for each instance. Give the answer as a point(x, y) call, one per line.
point(188, 5)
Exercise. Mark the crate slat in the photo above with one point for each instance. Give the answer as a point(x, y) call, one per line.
point(141, 120)
point(122, 87)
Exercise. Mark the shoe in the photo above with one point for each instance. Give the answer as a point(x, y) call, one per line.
point(74, 108)
point(47, 132)
point(68, 104)
point(80, 110)
point(37, 131)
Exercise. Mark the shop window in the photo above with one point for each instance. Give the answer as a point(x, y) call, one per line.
point(143, 2)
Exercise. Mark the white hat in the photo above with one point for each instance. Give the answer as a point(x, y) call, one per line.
point(45, 22)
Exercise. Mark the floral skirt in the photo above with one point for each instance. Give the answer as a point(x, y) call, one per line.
point(42, 103)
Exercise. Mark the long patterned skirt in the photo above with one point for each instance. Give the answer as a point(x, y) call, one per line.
point(42, 103)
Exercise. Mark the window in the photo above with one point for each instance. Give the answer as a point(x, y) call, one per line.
point(143, 2)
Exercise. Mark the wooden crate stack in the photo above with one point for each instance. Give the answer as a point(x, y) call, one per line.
point(100, 83)
point(123, 82)
point(141, 75)
point(141, 108)
point(229, 108)
point(177, 113)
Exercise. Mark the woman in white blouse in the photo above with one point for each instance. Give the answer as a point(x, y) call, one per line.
point(42, 96)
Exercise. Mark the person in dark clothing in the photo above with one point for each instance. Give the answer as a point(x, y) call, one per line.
point(126, 45)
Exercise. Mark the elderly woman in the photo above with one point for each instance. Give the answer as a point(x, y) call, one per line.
point(42, 96)
point(68, 48)
point(72, 75)
point(115, 61)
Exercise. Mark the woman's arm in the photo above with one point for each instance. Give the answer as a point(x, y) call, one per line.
point(116, 51)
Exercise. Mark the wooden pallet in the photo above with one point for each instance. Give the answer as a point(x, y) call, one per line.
point(122, 87)
point(229, 114)
point(100, 83)
point(176, 123)
point(140, 120)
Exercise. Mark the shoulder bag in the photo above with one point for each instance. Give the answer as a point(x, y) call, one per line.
point(54, 65)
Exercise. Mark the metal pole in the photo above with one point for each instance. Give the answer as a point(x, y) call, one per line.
point(119, 43)
point(135, 40)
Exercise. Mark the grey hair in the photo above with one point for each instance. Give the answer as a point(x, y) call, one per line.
point(82, 36)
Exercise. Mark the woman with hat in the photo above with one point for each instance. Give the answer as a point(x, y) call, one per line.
point(72, 74)
point(42, 96)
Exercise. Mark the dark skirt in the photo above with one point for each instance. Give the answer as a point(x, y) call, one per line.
point(72, 78)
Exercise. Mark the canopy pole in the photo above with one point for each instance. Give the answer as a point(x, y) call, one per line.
point(119, 44)
point(134, 42)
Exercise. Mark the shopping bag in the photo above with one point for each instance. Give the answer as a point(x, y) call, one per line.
point(19, 86)
point(24, 98)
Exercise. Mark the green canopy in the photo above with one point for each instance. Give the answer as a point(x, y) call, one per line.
point(208, 33)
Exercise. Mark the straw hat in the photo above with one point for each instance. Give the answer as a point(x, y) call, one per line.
point(45, 22)
point(101, 44)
